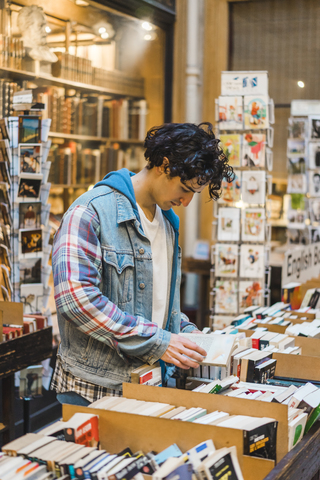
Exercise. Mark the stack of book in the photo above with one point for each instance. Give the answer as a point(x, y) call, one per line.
point(43, 457)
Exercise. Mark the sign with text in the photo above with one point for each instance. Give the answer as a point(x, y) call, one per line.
point(244, 83)
point(301, 264)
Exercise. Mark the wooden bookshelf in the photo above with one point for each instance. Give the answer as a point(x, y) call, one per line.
point(117, 83)
point(90, 138)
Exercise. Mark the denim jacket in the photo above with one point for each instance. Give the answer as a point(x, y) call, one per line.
point(102, 267)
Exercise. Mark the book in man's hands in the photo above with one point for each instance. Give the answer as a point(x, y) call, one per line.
point(218, 347)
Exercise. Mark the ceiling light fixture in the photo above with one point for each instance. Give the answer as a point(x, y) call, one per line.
point(102, 30)
point(301, 84)
point(105, 35)
point(48, 29)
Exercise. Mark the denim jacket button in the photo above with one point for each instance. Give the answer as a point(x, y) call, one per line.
point(141, 286)
point(141, 250)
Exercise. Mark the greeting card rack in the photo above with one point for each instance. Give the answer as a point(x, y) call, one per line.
point(303, 160)
point(25, 148)
point(240, 273)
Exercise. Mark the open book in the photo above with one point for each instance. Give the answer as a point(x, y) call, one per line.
point(218, 347)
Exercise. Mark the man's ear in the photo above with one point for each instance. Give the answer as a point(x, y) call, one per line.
point(163, 167)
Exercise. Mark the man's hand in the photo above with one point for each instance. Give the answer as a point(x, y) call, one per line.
point(178, 348)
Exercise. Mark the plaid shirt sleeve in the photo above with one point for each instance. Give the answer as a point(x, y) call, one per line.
point(185, 325)
point(77, 272)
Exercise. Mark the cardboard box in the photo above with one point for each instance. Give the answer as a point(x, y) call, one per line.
point(119, 430)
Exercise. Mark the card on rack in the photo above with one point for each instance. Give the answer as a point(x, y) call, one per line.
point(30, 243)
point(252, 261)
point(298, 127)
point(256, 112)
point(296, 165)
point(253, 225)
point(297, 218)
point(5, 194)
point(230, 113)
point(297, 201)
point(30, 158)
point(30, 215)
point(254, 187)
point(226, 260)
point(231, 145)
point(297, 183)
point(254, 150)
point(315, 235)
point(30, 270)
point(314, 127)
point(250, 293)
point(29, 129)
point(296, 236)
point(4, 173)
point(296, 147)
point(314, 155)
point(315, 210)
point(31, 295)
point(226, 296)
point(229, 224)
point(231, 191)
point(29, 187)
point(314, 183)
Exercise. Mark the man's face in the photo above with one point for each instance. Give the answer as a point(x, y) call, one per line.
point(171, 192)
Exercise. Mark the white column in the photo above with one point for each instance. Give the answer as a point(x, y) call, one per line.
point(193, 115)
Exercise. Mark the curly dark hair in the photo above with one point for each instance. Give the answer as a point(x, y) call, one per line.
point(192, 150)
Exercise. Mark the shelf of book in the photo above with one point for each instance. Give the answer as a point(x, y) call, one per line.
point(117, 85)
point(91, 138)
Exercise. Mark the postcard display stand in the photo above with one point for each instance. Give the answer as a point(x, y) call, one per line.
point(303, 154)
point(240, 273)
point(30, 249)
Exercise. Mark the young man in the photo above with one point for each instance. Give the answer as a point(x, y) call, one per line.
point(116, 266)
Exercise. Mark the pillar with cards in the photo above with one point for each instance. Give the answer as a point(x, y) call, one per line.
point(240, 273)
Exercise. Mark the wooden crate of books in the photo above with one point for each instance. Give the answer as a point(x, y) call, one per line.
point(26, 350)
point(120, 430)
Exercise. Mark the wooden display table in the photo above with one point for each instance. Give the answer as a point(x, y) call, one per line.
point(15, 355)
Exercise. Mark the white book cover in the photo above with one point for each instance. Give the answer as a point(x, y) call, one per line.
point(226, 296)
point(314, 127)
point(256, 112)
point(231, 145)
point(314, 154)
point(254, 187)
point(252, 261)
point(231, 191)
point(218, 347)
point(297, 165)
point(298, 127)
point(230, 113)
point(250, 293)
point(254, 150)
point(296, 147)
point(253, 225)
point(226, 260)
point(314, 183)
point(296, 429)
point(229, 224)
point(297, 183)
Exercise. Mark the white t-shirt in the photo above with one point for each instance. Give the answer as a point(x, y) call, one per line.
point(156, 234)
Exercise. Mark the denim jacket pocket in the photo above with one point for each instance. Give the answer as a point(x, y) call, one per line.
point(118, 273)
